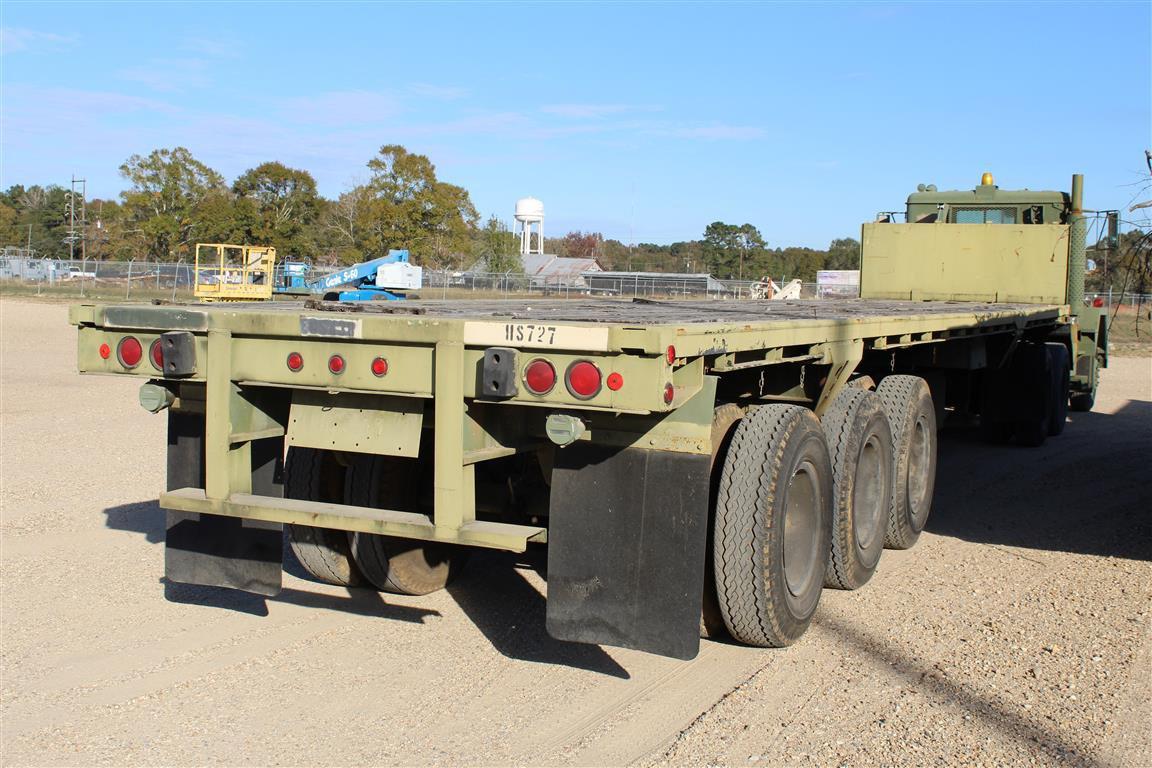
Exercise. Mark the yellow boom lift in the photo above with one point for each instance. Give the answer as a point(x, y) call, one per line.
point(226, 272)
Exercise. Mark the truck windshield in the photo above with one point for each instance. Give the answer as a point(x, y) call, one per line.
point(984, 215)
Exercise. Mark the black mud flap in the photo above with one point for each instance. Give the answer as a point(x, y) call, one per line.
point(626, 540)
point(213, 550)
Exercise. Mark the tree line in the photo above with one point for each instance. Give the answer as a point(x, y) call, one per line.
point(174, 201)
point(727, 251)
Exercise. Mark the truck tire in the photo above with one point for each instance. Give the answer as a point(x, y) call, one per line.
point(392, 564)
point(1032, 372)
point(773, 528)
point(860, 445)
point(1059, 368)
point(912, 417)
point(724, 418)
point(324, 553)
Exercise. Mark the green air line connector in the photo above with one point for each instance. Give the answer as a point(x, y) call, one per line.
point(155, 398)
point(1077, 234)
point(563, 429)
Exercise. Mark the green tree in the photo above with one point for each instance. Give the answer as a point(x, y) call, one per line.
point(729, 247)
point(843, 253)
point(167, 187)
point(279, 206)
point(10, 231)
point(498, 247)
point(41, 215)
point(408, 207)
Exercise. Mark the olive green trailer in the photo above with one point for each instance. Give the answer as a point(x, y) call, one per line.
point(612, 431)
point(690, 466)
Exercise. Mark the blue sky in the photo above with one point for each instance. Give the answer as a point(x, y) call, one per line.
point(644, 121)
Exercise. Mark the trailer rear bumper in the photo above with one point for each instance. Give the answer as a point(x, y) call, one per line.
point(407, 525)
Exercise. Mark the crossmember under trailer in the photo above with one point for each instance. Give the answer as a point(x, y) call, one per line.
point(679, 459)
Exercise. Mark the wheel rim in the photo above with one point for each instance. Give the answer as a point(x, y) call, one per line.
point(868, 495)
point(801, 532)
point(919, 460)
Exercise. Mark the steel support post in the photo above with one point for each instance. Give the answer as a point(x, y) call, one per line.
point(228, 468)
point(455, 491)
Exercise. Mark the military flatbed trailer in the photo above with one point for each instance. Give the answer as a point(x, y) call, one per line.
point(690, 466)
point(424, 446)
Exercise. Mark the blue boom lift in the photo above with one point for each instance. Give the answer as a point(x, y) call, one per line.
point(385, 278)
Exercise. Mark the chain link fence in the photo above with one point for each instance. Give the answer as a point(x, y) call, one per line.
point(446, 283)
point(25, 274)
point(105, 279)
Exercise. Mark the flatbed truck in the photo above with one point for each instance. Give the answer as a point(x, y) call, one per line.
point(693, 468)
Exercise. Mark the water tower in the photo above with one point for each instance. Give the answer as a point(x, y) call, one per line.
point(530, 211)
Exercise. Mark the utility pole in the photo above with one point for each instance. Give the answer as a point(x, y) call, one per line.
point(72, 236)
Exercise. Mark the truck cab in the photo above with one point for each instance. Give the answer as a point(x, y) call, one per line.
point(997, 246)
point(987, 204)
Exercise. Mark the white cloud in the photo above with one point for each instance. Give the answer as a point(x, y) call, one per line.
point(37, 110)
point(169, 75)
point(714, 132)
point(213, 48)
point(594, 111)
point(16, 39)
point(343, 107)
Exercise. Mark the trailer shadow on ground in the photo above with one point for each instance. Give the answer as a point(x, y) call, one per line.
point(493, 591)
point(1106, 495)
point(359, 602)
point(510, 611)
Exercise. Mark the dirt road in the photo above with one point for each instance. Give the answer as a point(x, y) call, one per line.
point(1018, 631)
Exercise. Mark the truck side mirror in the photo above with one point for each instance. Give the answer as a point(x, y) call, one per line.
point(1113, 230)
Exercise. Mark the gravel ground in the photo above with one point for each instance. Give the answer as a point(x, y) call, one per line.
point(1017, 632)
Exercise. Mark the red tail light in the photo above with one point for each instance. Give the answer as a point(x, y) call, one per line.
point(156, 355)
point(539, 377)
point(379, 366)
point(336, 364)
point(615, 381)
point(1098, 302)
point(670, 354)
point(583, 380)
point(105, 351)
point(129, 352)
point(669, 394)
point(295, 361)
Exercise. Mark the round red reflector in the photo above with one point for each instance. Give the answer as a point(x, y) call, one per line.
point(669, 394)
point(583, 380)
point(336, 364)
point(539, 377)
point(105, 351)
point(1097, 302)
point(156, 355)
point(615, 381)
point(295, 361)
point(129, 351)
point(379, 366)
point(671, 354)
